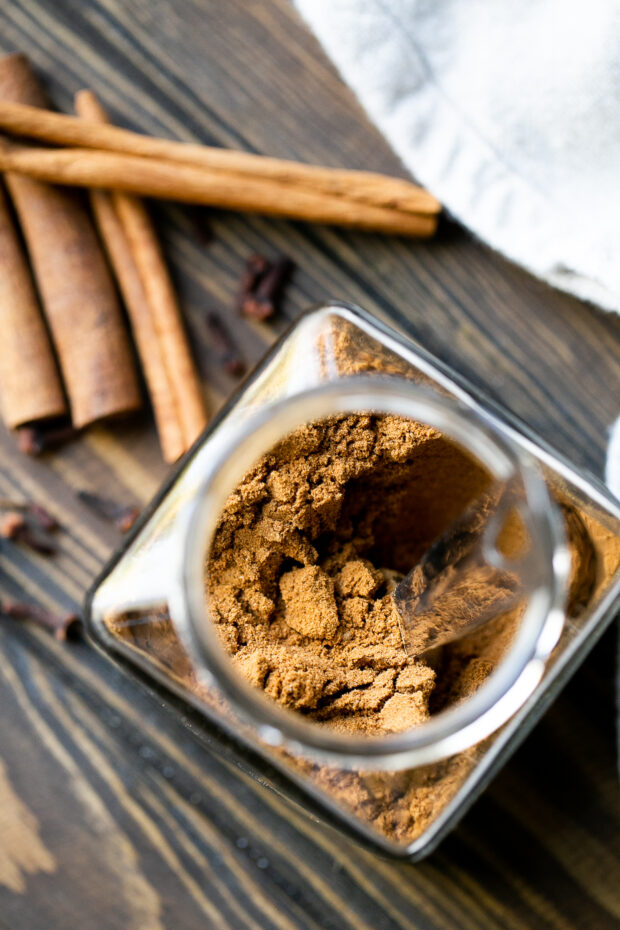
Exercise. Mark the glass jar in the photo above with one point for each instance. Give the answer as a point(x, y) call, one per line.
point(400, 791)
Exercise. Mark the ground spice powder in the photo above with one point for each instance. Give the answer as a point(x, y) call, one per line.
point(304, 560)
point(299, 577)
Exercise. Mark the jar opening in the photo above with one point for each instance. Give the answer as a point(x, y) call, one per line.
point(335, 494)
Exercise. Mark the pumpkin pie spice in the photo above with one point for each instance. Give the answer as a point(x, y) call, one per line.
point(306, 555)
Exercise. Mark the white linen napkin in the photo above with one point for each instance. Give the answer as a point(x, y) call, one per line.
point(509, 113)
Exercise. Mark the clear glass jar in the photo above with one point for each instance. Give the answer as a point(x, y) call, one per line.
point(399, 791)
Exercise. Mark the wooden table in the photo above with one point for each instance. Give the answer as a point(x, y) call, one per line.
point(110, 816)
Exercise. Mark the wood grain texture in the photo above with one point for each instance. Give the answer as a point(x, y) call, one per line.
point(122, 814)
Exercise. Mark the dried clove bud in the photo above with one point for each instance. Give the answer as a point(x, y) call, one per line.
point(123, 516)
point(44, 518)
point(33, 440)
point(229, 356)
point(60, 624)
point(262, 303)
point(13, 526)
point(126, 518)
point(38, 512)
point(255, 267)
point(29, 440)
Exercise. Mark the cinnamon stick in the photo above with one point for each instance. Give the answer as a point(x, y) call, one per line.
point(30, 387)
point(178, 361)
point(137, 304)
point(164, 350)
point(364, 186)
point(157, 177)
point(77, 291)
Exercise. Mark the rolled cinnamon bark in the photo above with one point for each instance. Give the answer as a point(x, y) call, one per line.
point(76, 289)
point(30, 386)
point(151, 353)
point(162, 342)
point(228, 190)
point(368, 187)
point(178, 359)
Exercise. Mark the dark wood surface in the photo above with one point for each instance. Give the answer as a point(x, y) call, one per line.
point(110, 815)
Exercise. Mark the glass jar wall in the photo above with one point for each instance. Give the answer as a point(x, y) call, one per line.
point(401, 793)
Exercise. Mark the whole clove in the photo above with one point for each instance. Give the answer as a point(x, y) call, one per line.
point(29, 440)
point(123, 516)
point(14, 526)
point(228, 353)
point(263, 301)
point(44, 518)
point(126, 518)
point(255, 267)
point(61, 625)
point(38, 512)
point(34, 440)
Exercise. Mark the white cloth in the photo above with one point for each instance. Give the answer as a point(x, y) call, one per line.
point(509, 113)
point(613, 459)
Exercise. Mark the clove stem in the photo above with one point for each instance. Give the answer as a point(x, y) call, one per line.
point(59, 624)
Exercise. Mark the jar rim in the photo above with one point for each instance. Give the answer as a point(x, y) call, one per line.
point(451, 730)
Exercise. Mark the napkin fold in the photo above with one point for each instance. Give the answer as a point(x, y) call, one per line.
point(507, 112)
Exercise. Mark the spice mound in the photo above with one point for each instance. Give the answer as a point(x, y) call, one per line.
point(306, 554)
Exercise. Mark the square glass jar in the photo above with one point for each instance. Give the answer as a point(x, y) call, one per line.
point(138, 609)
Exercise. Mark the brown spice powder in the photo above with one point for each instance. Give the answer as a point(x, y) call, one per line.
point(299, 575)
point(299, 581)
point(303, 562)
